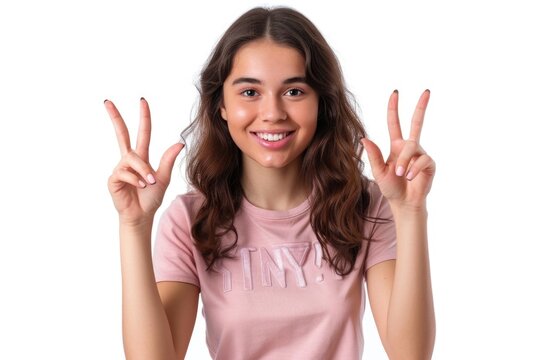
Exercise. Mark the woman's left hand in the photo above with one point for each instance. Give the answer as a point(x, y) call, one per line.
point(406, 176)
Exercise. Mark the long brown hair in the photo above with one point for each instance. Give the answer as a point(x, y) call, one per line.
point(331, 164)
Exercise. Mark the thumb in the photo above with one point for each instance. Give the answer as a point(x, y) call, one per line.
point(375, 157)
point(167, 161)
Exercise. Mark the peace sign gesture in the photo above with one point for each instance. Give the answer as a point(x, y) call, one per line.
point(136, 189)
point(406, 176)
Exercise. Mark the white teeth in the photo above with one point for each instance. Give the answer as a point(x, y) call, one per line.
point(271, 137)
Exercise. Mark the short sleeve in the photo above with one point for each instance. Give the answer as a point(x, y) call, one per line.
point(173, 255)
point(383, 240)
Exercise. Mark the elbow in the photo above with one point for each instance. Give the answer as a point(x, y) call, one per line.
point(418, 347)
point(417, 353)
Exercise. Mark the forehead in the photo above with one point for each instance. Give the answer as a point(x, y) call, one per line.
point(266, 59)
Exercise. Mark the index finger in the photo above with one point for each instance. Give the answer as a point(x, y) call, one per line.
point(418, 117)
point(394, 128)
point(122, 133)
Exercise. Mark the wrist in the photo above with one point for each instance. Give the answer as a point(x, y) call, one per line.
point(136, 224)
point(404, 208)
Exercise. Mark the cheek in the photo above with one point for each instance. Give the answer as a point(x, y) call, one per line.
point(233, 109)
point(237, 112)
point(240, 113)
point(308, 115)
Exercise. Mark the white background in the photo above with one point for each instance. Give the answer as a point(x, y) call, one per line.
point(59, 248)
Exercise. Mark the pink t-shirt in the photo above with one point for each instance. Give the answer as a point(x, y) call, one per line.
point(277, 299)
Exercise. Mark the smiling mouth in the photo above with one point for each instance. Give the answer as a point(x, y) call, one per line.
point(273, 137)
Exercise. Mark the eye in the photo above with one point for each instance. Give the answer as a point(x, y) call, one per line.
point(294, 92)
point(249, 93)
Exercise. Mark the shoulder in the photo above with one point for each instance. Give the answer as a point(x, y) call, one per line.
point(191, 200)
point(184, 207)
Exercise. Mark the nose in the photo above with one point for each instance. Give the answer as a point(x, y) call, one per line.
point(272, 109)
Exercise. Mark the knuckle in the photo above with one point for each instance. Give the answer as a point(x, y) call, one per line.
point(117, 171)
point(427, 159)
point(119, 165)
point(114, 174)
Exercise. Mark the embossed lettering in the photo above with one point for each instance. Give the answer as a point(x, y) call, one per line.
point(296, 256)
point(246, 267)
point(227, 279)
point(268, 265)
point(318, 254)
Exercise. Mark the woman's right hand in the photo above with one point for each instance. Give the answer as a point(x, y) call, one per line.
point(136, 189)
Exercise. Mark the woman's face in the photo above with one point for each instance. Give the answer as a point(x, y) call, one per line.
point(271, 111)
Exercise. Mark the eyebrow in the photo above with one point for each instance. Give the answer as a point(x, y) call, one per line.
point(296, 79)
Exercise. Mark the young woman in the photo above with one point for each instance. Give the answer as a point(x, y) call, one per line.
point(281, 227)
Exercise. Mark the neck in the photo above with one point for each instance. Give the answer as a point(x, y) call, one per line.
point(273, 189)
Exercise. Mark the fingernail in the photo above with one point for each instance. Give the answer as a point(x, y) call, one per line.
point(409, 175)
point(142, 98)
point(104, 101)
point(151, 179)
point(396, 91)
point(142, 183)
point(428, 90)
point(400, 171)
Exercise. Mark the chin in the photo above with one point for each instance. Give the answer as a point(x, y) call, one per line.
point(277, 163)
point(268, 163)
point(273, 165)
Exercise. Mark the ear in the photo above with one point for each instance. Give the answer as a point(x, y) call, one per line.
point(223, 112)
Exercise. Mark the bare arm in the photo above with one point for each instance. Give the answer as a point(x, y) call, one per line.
point(400, 292)
point(411, 318)
point(180, 301)
point(145, 328)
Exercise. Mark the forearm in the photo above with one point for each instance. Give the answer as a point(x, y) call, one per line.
point(145, 328)
point(411, 319)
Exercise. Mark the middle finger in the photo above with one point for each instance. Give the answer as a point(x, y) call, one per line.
point(145, 128)
point(418, 117)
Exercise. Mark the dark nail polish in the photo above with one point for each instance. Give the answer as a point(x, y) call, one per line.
point(397, 92)
point(142, 98)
